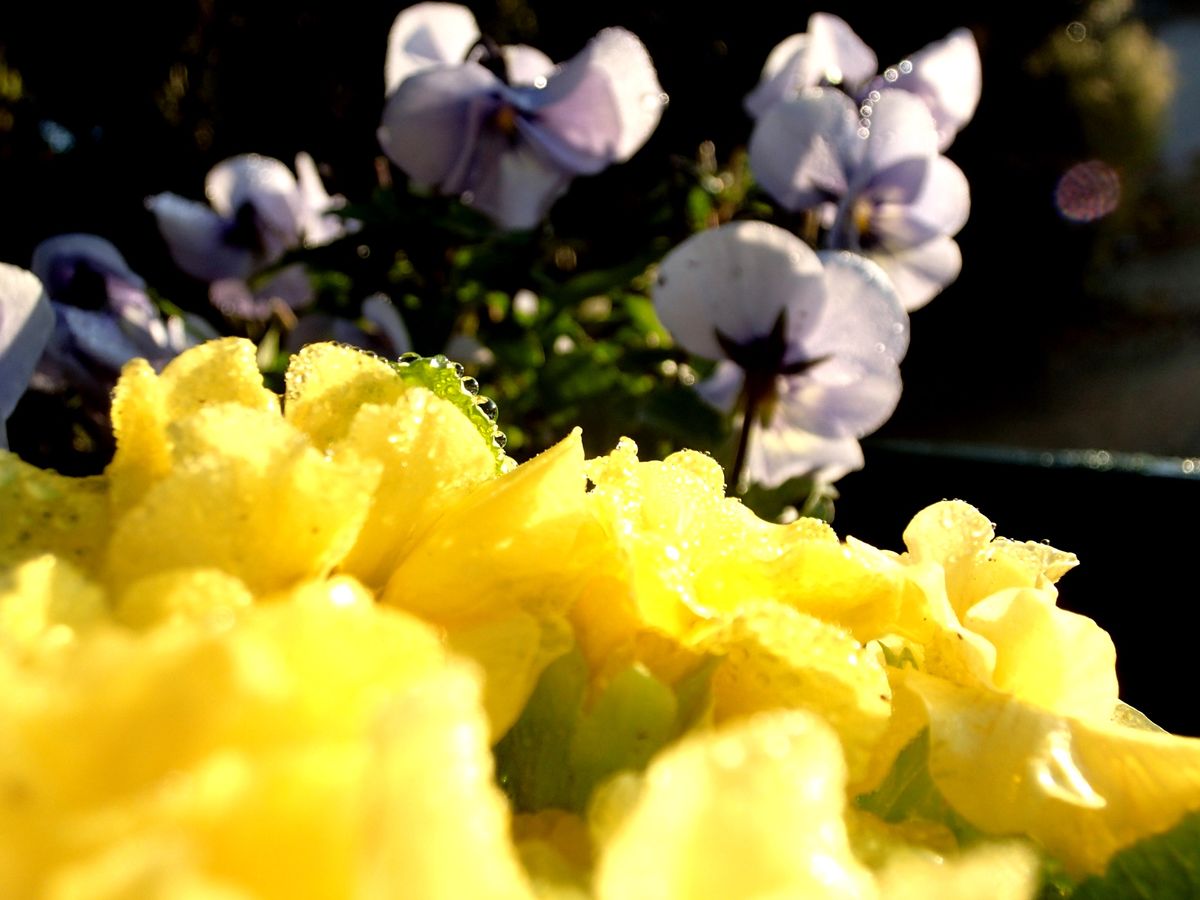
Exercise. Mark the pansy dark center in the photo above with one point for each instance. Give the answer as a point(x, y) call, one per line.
point(762, 358)
point(243, 231)
point(78, 284)
point(490, 55)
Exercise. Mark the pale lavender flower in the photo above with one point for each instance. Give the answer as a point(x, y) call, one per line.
point(380, 330)
point(26, 324)
point(503, 128)
point(878, 180)
point(809, 343)
point(102, 316)
point(945, 74)
point(257, 210)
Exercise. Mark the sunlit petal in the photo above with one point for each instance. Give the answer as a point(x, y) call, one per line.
point(427, 34)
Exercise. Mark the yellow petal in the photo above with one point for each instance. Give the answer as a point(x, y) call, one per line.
point(328, 383)
point(45, 603)
point(512, 652)
point(1082, 789)
point(510, 544)
point(431, 456)
point(182, 594)
point(1048, 656)
point(44, 512)
point(1001, 871)
point(773, 657)
point(753, 810)
point(248, 495)
point(145, 404)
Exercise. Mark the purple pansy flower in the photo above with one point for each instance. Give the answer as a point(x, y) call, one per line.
point(809, 343)
point(883, 189)
point(945, 74)
point(503, 128)
point(26, 323)
point(102, 316)
point(257, 210)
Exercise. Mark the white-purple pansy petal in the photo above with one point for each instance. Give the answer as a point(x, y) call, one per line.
point(26, 324)
point(939, 207)
point(802, 149)
point(431, 124)
point(736, 280)
point(425, 35)
point(196, 239)
point(264, 184)
point(863, 316)
point(828, 53)
point(604, 102)
point(527, 66)
point(318, 224)
point(948, 76)
point(776, 455)
point(921, 272)
point(514, 186)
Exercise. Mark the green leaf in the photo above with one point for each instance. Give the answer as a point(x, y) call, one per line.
point(563, 746)
point(909, 793)
point(446, 379)
point(1163, 867)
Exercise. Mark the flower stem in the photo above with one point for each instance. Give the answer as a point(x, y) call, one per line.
point(752, 396)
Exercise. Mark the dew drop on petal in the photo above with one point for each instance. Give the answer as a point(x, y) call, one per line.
point(1077, 32)
point(467, 198)
point(834, 75)
point(865, 110)
point(864, 123)
point(539, 82)
point(905, 66)
point(890, 74)
point(1088, 191)
point(874, 96)
point(864, 132)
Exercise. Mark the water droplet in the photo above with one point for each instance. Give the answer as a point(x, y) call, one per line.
point(439, 362)
point(1077, 31)
point(865, 110)
point(880, 347)
point(905, 66)
point(897, 328)
point(834, 75)
point(864, 132)
point(652, 101)
point(487, 407)
point(467, 198)
point(458, 369)
point(500, 439)
point(408, 358)
point(539, 82)
point(672, 553)
point(470, 385)
point(864, 123)
point(874, 96)
point(890, 74)
point(1189, 466)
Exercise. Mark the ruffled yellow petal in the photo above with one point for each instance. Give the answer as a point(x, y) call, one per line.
point(145, 404)
point(773, 657)
point(328, 383)
point(44, 512)
point(1002, 871)
point(1084, 789)
point(752, 810)
point(246, 494)
point(188, 594)
point(1048, 656)
point(513, 543)
point(431, 455)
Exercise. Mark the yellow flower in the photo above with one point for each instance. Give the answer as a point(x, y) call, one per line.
point(1020, 697)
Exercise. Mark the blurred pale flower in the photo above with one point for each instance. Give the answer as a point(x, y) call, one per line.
point(504, 128)
point(884, 189)
point(103, 316)
point(26, 324)
point(945, 74)
point(257, 210)
point(810, 343)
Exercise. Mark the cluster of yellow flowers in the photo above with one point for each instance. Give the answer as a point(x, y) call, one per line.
point(328, 647)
